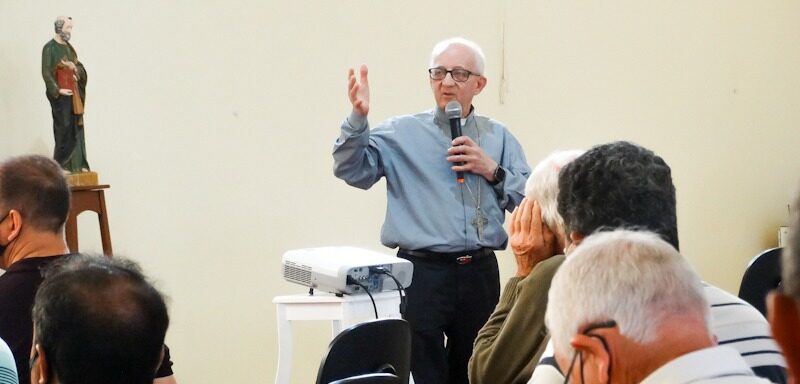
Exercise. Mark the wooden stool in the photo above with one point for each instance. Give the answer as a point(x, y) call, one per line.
point(88, 198)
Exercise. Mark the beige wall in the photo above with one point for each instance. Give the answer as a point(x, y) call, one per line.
point(213, 121)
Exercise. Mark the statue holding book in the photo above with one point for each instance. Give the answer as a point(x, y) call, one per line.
point(65, 79)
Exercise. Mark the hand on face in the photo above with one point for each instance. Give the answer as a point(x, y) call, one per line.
point(358, 90)
point(474, 159)
point(530, 238)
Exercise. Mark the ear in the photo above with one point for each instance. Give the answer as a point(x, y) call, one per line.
point(481, 84)
point(575, 239)
point(595, 357)
point(40, 368)
point(12, 224)
point(784, 319)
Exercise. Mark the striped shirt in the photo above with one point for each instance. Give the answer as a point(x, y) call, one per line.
point(8, 368)
point(735, 323)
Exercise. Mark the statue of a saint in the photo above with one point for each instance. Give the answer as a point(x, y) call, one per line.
point(65, 79)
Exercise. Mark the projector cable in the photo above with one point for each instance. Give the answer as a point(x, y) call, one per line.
point(400, 290)
point(351, 280)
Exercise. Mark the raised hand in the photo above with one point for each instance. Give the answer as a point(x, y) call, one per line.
point(531, 240)
point(358, 90)
point(474, 159)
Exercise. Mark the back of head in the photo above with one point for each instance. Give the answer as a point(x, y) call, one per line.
point(35, 186)
point(542, 186)
point(99, 321)
point(618, 185)
point(634, 278)
point(791, 254)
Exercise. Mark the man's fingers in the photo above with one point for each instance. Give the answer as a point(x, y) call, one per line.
point(525, 218)
point(514, 226)
point(363, 71)
point(536, 220)
point(463, 140)
point(541, 230)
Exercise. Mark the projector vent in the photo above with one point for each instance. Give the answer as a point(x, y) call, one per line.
point(297, 273)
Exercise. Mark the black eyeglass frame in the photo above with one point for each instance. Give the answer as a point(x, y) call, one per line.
point(455, 73)
point(591, 327)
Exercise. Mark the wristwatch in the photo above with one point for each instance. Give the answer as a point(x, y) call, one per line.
point(499, 175)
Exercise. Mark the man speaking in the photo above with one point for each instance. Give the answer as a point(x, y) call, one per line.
point(448, 228)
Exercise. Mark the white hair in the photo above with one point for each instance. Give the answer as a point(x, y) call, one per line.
point(634, 278)
point(542, 186)
point(791, 254)
point(443, 45)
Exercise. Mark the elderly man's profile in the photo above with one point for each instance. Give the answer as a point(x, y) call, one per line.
point(65, 79)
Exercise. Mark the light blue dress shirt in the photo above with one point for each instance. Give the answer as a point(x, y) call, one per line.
point(426, 208)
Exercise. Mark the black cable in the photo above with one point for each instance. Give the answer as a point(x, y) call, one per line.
point(350, 280)
point(400, 289)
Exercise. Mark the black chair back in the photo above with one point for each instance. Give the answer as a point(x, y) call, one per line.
point(372, 352)
point(762, 275)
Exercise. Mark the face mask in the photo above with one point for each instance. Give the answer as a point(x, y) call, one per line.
point(3, 247)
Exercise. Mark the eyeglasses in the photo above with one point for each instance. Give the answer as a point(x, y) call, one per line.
point(591, 327)
point(458, 74)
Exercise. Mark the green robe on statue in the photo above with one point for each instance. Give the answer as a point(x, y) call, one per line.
point(70, 146)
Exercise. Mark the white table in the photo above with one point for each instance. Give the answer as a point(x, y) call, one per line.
point(341, 311)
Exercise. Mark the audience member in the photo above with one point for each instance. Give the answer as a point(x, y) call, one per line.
point(97, 321)
point(642, 317)
point(34, 202)
point(512, 340)
point(784, 307)
point(623, 185)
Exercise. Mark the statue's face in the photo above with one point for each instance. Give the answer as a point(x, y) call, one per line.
point(66, 30)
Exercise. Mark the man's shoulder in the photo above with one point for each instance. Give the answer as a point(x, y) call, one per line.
point(550, 265)
point(424, 118)
point(724, 302)
point(481, 119)
point(28, 268)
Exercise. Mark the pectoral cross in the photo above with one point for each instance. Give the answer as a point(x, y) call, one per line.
point(479, 222)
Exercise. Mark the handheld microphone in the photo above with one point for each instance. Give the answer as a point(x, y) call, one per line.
point(453, 112)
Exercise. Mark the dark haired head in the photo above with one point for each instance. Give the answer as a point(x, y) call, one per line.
point(35, 186)
point(98, 320)
point(618, 185)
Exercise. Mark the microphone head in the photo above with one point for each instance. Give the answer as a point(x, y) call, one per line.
point(453, 110)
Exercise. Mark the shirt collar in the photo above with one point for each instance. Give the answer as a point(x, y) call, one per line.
point(705, 364)
point(441, 118)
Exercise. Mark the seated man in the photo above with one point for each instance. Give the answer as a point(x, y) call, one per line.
point(784, 307)
point(97, 321)
point(509, 344)
point(34, 202)
point(621, 184)
point(625, 307)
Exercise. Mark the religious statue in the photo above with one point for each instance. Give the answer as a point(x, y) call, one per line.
point(65, 79)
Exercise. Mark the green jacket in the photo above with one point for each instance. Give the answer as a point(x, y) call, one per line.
point(509, 345)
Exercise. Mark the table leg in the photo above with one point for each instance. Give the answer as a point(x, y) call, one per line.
point(284, 346)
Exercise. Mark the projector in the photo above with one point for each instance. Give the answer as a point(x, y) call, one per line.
point(335, 269)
